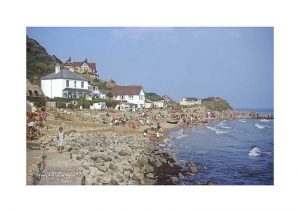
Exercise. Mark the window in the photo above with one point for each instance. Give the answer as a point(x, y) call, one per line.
point(82, 84)
point(74, 84)
point(36, 93)
point(130, 96)
point(29, 92)
point(141, 97)
point(67, 83)
point(122, 97)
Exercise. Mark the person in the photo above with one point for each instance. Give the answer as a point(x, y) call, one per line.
point(157, 134)
point(145, 132)
point(158, 127)
point(61, 142)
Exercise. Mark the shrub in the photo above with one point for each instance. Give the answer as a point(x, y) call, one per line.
point(37, 100)
point(71, 106)
point(60, 105)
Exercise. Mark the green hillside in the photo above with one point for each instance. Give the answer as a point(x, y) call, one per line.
point(153, 96)
point(39, 63)
point(216, 103)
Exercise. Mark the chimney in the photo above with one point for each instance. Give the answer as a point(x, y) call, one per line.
point(57, 68)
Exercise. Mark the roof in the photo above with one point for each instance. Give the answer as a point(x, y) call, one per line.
point(64, 74)
point(191, 98)
point(78, 64)
point(127, 90)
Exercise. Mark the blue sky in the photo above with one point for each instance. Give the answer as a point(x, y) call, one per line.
point(232, 63)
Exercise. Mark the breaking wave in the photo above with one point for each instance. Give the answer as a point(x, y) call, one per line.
point(216, 130)
point(264, 120)
point(259, 126)
point(181, 136)
point(255, 152)
point(222, 125)
point(242, 120)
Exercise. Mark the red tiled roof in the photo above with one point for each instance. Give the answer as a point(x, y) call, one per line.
point(127, 90)
point(78, 64)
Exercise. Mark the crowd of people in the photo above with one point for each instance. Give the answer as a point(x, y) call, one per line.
point(35, 120)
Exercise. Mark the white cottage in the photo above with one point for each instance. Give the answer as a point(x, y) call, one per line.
point(65, 83)
point(131, 94)
point(190, 101)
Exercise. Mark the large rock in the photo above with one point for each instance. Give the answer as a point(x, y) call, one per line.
point(193, 168)
point(157, 163)
point(94, 171)
point(105, 179)
point(125, 152)
point(173, 179)
point(104, 157)
point(94, 156)
point(148, 169)
point(112, 166)
point(150, 175)
point(180, 176)
point(85, 165)
point(103, 168)
point(137, 174)
point(92, 149)
point(163, 160)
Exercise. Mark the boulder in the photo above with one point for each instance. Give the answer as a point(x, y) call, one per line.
point(68, 148)
point(173, 179)
point(180, 176)
point(148, 169)
point(193, 169)
point(94, 171)
point(163, 160)
point(104, 157)
point(94, 156)
point(85, 165)
point(112, 166)
point(150, 175)
point(157, 163)
point(102, 168)
point(125, 152)
point(92, 149)
point(78, 157)
point(137, 174)
point(105, 179)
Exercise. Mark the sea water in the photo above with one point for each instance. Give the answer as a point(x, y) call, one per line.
point(235, 152)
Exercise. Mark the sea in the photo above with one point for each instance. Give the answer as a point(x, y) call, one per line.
point(230, 152)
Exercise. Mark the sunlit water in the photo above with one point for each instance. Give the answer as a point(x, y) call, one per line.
point(236, 152)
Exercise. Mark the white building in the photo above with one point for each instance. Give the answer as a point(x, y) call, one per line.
point(65, 83)
point(131, 94)
point(148, 104)
point(159, 104)
point(190, 101)
point(98, 93)
point(154, 104)
point(98, 105)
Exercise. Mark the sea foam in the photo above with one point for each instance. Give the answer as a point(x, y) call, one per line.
point(264, 120)
point(216, 130)
point(259, 126)
point(256, 151)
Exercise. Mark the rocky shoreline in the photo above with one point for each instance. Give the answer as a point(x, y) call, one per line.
point(119, 160)
point(101, 155)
